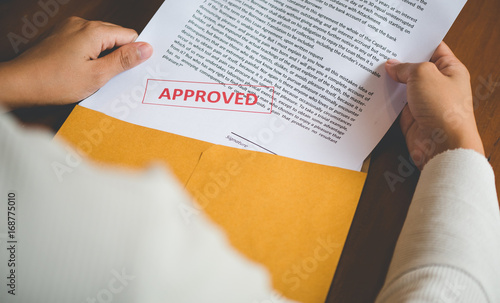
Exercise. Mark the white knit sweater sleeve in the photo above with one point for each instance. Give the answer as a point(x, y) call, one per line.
point(87, 234)
point(449, 248)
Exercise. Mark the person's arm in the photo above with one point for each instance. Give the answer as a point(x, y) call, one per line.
point(97, 235)
point(101, 235)
point(66, 68)
point(449, 246)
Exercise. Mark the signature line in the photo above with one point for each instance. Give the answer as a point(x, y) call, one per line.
point(254, 143)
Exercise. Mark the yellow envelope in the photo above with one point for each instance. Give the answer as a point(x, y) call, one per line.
point(291, 216)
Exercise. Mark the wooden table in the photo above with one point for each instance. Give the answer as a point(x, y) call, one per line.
point(381, 212)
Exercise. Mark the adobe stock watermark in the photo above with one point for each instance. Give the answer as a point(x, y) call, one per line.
point(218, 182)
point(451, 292)
point(122, 106)
point(274, 297)
point(303, 270)
point(221, 179)
point(90, 140)
point(426, 148)
point(266, 135)
point(407, 167)
point(485, 89)
point(116, 285)
point(31, 26)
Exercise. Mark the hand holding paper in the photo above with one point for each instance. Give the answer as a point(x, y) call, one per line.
point(316, 69)
point(65, 68)
point(439, 115)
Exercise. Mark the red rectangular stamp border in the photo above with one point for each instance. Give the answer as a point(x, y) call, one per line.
point(231, 110)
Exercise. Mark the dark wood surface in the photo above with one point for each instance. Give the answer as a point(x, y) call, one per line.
point(381, 212)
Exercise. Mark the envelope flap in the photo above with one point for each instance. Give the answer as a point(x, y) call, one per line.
point(291, 216)
point(112, 141)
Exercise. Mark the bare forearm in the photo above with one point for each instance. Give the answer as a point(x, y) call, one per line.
point(12, 90)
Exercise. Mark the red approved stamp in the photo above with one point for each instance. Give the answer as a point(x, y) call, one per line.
point(214, 96)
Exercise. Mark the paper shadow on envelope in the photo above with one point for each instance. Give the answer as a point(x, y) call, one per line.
point(291, 216)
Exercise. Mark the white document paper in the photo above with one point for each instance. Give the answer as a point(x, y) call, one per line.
point(300, 79)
